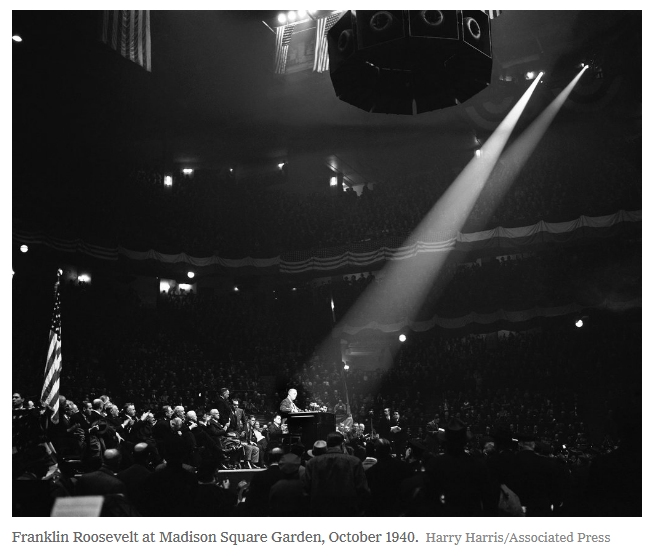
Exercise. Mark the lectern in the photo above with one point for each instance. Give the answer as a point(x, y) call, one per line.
point(311, 425)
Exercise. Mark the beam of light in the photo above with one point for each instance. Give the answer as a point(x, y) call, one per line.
point(516, 156)
point(398, 296)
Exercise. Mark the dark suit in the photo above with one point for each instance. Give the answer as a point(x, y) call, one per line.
point(398, 439)
point(258, 497)
point(227, 414)
point(99, 482)
point(241, 420)
point(134, 477)
point(274, 436)
point(383, 427)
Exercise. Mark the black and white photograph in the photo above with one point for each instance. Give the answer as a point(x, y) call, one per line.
point(359, 264)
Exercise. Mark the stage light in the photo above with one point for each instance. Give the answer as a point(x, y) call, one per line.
point(187, 171)
point(237, 290)
point(301, 14)
point(167, 181)
point(477, 153)
point(530, 75)
point(579, 323)
point(24, 248)
point(346, 367)
point(292, 16)
point(333, 181)
point(17, 38)
point(282, 19)
point(402, 337)
point(231, 170)
point(294, 289)
point(84, 278)
point(164, 286)
point(185, 287)
point(191, 274)
point(281, 165)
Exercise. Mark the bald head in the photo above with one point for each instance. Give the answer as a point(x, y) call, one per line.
point(112, 459)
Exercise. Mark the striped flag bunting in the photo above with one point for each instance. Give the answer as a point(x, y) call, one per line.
point(324, 24)
point(128, 33)
point(607, 304)
point(357, 254)
point(50, 391)
point(282, 40)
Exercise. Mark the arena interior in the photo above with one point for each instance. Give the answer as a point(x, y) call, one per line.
point(442, 266)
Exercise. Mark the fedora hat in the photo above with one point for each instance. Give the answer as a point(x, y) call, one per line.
point(319, 447)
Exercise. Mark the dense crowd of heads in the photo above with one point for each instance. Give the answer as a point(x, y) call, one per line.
point(212, 213)
point(564, 387)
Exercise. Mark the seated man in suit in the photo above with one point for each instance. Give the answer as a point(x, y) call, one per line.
point(288, 404)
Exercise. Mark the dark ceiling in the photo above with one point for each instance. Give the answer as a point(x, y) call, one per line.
point(212, 98)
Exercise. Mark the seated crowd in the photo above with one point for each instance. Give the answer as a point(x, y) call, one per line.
point(209, 213)
point(176, 465)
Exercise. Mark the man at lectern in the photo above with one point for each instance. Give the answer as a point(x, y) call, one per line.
point(288, 404)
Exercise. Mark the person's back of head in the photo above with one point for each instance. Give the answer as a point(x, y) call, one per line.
point(275, 455)
point(112, 459)
point(175, 424)
point(206, 473)
point(370, 449)
point(98, 404)
point(382, 448)
point(141, 453)
point(334, 439)
point(297, 449)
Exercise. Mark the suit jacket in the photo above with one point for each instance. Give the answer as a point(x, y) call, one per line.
point(99, 482)
point(241, 420)
point(257, 500)
point(288, 406)
point(383, 427)
point(227, 414)
point(214, 430)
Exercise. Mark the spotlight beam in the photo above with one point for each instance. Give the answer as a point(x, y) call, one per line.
point(398, 296)
point(516, 156)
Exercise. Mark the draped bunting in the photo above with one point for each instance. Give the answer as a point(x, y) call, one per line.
point(359, 255)
point(480, 318)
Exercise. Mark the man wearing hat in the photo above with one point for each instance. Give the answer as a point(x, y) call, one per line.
point(460, 484)
point(287, 495)
point(335, 481)
point(319, 448)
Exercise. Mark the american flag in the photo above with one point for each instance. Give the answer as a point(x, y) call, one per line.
point(283, 36)
point(128, 33)
point(321, 63)
point(50, 392)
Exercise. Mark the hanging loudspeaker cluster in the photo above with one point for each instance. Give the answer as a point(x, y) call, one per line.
point(409, 61)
